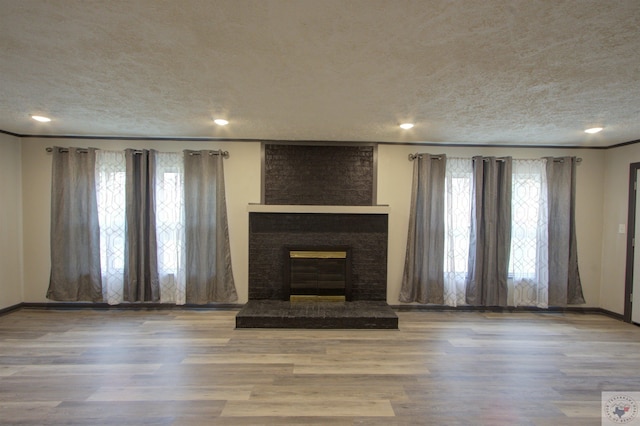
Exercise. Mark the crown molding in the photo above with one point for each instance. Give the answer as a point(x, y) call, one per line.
point(311, 141)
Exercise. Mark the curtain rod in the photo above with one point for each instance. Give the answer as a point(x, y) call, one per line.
point(417, 155)
point(438, 157)
point(81, 150)
point(560, 160)
point(225, 154)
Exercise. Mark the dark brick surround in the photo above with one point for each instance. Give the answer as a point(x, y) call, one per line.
point(319, 175)
point(366, 234)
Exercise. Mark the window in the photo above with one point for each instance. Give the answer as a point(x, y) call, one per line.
point(458, 180)
point(528, 272)
point(111, 197)
point(170, 227)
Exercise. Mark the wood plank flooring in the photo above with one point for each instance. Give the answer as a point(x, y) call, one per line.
point(192, 367)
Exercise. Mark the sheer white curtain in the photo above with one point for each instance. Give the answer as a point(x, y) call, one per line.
point(111, 194)
point(458, 190)
point(170, 226)
point(111, 190)
point(528, 265)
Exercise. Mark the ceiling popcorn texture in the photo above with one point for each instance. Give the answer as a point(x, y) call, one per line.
point(513, 72)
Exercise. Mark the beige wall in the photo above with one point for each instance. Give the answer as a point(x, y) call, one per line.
point(242, 174)
point(615, 210)
point(10, 222)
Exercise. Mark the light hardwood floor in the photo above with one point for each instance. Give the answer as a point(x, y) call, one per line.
point(191, 367)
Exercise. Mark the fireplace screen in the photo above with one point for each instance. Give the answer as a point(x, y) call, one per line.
point(317, 271)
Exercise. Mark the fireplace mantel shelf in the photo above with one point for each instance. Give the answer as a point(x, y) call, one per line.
point(268, 208)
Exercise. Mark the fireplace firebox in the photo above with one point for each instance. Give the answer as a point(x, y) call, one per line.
point(317, 271)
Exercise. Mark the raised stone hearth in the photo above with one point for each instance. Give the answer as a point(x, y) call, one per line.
point(323, 315)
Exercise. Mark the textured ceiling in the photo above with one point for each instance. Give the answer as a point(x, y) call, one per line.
point(527, 72)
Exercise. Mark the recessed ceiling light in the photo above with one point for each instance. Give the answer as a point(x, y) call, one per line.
point(407, 126)
point(593, 130)
point(41, 118)
point(220, 122)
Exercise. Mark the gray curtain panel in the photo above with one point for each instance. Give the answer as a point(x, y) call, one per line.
point(141, 281)
point(564, 277)
point(75, 234)
point(208, 263)
point(490, 234)
point(423, 278)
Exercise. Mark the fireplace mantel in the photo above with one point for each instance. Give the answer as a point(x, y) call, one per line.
point(268, 208)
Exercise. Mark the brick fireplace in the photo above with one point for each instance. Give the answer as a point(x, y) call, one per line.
point(271, 233)
point(318, 198)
